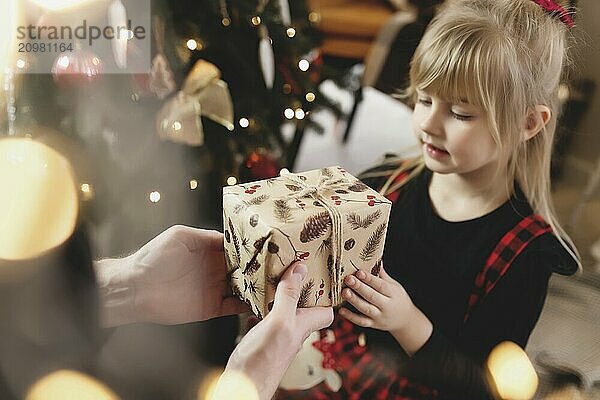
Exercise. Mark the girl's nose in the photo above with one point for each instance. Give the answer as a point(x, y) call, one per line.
point(432, 124)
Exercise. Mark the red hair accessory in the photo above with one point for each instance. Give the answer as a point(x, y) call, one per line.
point(556, 10)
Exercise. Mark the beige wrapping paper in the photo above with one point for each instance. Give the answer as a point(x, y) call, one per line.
point(326, 217)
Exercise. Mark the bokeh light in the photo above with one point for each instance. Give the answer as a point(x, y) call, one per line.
point(512, 373)
point(69, 385)
point(230, 385)
point(39, 202)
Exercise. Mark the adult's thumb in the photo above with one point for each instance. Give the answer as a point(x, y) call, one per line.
point(314, 318)
point(289, 288)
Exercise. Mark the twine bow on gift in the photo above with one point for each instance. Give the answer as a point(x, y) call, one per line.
point(316, 192)
point(203, 94)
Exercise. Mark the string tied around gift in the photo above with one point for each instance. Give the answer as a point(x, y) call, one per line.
point(326, 183)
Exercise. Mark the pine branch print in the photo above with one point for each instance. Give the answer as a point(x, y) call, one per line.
point(236, 242)
point(326, 172)
point(293, 188)
point(330, 267)
point(305, 293)
point(373, 243)
point(325, 246)
point(282, 211)
point(273, 280)
point(255, 201)
point(230, 264)
point(357, 222)
point(252, 266)
point(315, 226)
point(258, 200)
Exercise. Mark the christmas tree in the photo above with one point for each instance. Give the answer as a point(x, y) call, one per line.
point(230, 91)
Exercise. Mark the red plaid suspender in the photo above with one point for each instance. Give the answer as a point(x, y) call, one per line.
point(509, 247)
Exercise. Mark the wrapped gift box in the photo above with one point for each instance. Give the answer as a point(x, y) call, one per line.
point(326, 217)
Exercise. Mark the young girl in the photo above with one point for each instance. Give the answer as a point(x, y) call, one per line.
point(472, 237)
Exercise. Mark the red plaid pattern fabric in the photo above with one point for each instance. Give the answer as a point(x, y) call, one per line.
point(366, 375)
point(509, 247)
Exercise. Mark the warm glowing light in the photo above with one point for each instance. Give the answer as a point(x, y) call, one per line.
point(300, 113)
point(191, 44)
point(226, 21)
point(69, 385)
point(244, 122)
point(512, 372)
point(154, 197)
point(63, 61)
point(563, 92)
point(60, 5)
point(310, 97)
point(21, 64)
point(256, 20)
point(86, 190)
point(193, 184)
point(39, 201)
point(284, 171)
point(314, 17)
point(303, 65)
point(230, 385)
point(232, 180)
point(176, 126)
point(9, 19)
point(288, 113)
point(291, 32)
point(287, 88)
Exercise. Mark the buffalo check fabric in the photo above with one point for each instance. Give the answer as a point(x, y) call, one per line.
point(509, 247)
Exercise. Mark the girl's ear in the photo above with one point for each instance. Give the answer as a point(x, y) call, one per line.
point(537, 118)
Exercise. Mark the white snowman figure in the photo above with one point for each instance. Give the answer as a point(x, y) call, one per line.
point(307, 370)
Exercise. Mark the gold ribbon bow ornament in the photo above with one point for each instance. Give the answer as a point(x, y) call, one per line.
point(203, 94)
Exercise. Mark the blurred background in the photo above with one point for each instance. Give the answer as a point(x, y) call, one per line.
point(237, 90)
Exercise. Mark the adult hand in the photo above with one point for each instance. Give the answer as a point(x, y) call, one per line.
point(268, 349)
point(177, 277)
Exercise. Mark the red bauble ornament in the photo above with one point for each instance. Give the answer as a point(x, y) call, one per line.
point(76, 68)
point(262, 166)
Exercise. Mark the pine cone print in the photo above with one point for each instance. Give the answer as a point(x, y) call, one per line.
point(358, 187)
point(315, 226)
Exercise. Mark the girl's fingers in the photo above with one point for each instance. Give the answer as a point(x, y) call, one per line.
point(364, 290)
point(375, 282)
point(361, 305)
point(356, 318)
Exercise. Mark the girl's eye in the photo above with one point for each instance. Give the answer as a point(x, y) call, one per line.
point(461, 117)
point(425, 101)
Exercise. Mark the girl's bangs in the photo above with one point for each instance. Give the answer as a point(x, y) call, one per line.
point(451, 68)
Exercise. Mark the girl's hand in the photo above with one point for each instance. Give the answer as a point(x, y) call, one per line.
point(382, 301)
point(384, 304)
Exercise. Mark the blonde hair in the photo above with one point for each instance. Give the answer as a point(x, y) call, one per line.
point(505, 56)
